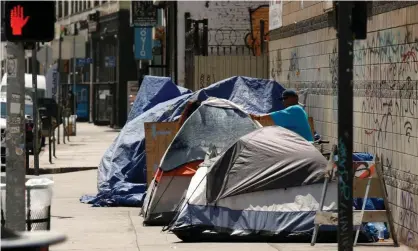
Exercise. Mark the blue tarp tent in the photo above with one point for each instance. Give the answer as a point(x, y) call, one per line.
point(122, 173)
point(154, 90)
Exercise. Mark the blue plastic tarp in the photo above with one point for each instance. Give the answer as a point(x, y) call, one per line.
point(154, 90)
point(370, 228)
point(122, 171)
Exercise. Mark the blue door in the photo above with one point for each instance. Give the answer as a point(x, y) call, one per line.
point(82, 102)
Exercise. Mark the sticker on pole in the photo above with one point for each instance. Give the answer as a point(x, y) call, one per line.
point(14, 129)
point(11, 67)
point(15, 108)
point(19, 150)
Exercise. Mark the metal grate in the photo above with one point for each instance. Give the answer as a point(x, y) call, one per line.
point(35, 219)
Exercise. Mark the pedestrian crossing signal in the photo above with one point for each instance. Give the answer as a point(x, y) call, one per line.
point(29, 21)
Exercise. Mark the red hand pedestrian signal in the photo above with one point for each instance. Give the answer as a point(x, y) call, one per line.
point(17, 20)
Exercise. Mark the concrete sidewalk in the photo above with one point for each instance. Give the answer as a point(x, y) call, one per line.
point(114, 229)
point(83, 151)
point(118, 229)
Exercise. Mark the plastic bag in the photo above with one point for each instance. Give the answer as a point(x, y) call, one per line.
point(40, 192)
point(381, 230)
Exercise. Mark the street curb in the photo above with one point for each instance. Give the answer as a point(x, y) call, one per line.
point(59, 170)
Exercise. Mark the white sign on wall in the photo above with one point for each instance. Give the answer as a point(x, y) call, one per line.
point(51, 84)
point(275, 14)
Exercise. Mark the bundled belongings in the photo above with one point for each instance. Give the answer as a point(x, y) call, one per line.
point(266, 185)
point(154, 90)
point(214, 126)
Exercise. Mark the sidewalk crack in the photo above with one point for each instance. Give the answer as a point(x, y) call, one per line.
point(133, 227)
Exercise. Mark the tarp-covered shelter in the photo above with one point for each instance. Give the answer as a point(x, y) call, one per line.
point(266, 185)
point(122, 171)
point(154, 90)
point(216, 124)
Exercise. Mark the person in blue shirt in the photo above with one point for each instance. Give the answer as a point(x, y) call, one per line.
point(293, 117)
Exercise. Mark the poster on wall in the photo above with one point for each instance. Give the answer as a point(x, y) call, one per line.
point(275, 14)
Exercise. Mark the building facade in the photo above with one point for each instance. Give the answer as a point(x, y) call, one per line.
point(303, 54)
point(108, 36)
point(229, 22)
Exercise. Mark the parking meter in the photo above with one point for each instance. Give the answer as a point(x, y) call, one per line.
point(46, 121)
point(49, 108)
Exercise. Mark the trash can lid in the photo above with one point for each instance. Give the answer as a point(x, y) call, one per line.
point(12, 239)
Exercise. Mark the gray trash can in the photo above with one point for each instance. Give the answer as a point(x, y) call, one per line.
point(38, 204)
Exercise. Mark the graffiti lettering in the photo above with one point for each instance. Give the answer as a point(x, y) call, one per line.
point(202, 81)
point(205, 80)
point(342, 172)
point(407, 216)
point(387, 104)
point(408, 129)
point(276, 65)
point(333, 68)
point(294, 70)
point(343, 223)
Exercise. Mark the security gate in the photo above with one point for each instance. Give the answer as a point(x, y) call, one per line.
point(103, 104)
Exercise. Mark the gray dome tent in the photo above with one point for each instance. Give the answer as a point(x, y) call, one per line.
point(266, 184)
point(214, 126)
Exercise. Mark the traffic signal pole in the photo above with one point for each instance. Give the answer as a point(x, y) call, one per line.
point(15, 138)
point(23, 23)
point(345, 125)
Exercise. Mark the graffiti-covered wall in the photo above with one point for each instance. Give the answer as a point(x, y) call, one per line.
point(303, 54)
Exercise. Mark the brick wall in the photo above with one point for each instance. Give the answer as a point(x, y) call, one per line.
point(385, 90)
point(223, 16)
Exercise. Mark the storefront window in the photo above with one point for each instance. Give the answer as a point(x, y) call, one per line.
point(59, 9)
point(66, 8)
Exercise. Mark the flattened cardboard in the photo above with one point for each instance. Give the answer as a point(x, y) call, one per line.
point(158, 136)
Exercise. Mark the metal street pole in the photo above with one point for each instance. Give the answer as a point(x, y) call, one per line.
point(46, 65)
point(74, 88)
point(59, 89)
point(91, 82)
point(345, 126)
point(15, 138)
point(35, 110)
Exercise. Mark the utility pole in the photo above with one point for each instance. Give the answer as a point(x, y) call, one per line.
point(22, 22)
point(91, 82)
point(35, 109)
point(351, 20)
point(345, 125)
point(15, 138)
point(59, 89)
point(74, 86)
